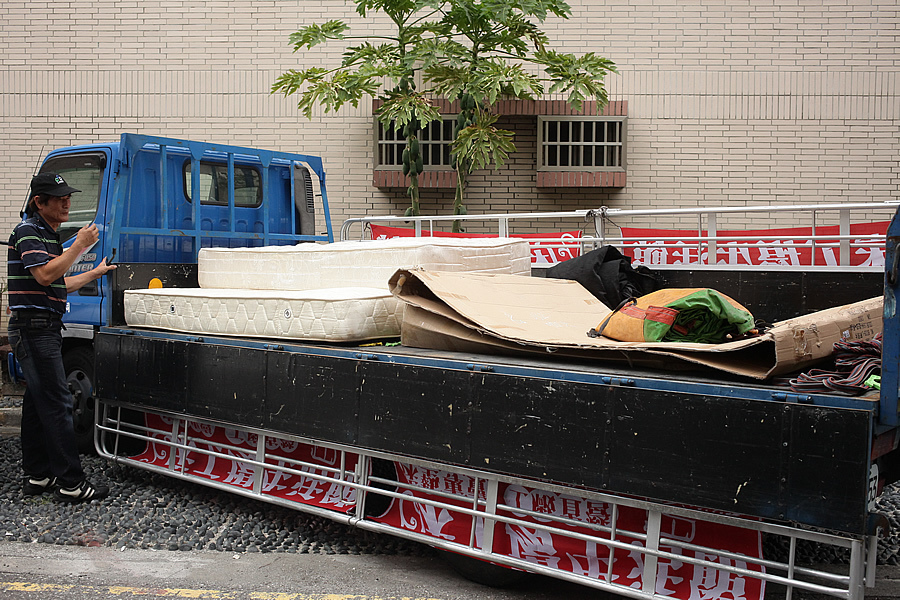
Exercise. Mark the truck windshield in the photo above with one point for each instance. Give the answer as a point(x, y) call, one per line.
point(84, 172)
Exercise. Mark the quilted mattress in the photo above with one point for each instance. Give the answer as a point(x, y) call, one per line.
point(356, 263)
point(334, 315)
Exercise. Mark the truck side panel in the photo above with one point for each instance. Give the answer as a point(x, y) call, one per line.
point(779, 295)
point(760, 458)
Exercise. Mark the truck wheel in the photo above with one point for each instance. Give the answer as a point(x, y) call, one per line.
point(483, 572)
point(376, 504)
point(79, 366)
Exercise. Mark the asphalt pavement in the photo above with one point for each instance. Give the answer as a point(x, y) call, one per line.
point(43, 571)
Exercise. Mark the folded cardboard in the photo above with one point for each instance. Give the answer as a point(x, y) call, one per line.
point(512, 314)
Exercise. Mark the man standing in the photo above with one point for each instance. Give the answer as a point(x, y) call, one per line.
point(37, 298)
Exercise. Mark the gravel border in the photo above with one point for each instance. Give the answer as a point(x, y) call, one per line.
point(151, 511)
point(11, 402)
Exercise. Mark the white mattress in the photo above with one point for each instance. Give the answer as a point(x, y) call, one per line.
point(336, 315)
point(356, 263)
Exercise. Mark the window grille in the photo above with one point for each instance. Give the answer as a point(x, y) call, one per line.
point(581, 143)
point(434, 144)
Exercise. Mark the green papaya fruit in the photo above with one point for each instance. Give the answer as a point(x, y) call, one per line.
point(461, 122)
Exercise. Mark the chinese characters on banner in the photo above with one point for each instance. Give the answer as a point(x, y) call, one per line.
point(542, 252)
point(784, 247)
point(296, 488)
point(676, 579)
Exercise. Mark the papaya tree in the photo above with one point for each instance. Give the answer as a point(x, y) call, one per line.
point(474, 51)
point(381, 66)
point(492, 41)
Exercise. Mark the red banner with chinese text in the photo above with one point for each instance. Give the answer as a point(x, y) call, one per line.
point(676, 579)
point(542, 252)
point(784, 247)
point(296, 488)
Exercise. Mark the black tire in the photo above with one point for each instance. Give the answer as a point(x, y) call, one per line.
point(483, 572)
point(376, 504)
point(79, 366)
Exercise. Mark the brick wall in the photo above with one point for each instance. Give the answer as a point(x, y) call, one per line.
point(729, 101)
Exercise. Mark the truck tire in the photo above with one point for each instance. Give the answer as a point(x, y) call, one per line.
point(483, 572)
point(79, 366)
point(376, 504)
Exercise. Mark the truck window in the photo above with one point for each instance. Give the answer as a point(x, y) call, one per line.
point(214, 185)
point(84, 172)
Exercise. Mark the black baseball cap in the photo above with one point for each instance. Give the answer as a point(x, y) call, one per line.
point(51, 184)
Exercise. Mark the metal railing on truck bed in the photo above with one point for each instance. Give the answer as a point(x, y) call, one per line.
point(820, 235)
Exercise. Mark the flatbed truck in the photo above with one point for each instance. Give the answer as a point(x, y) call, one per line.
point(645, 483)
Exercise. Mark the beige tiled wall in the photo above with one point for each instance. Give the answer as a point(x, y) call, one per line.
point(730, 101)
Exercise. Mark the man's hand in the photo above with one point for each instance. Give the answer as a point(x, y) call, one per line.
point(86, 237)
point(76, 282)
point(103, 268)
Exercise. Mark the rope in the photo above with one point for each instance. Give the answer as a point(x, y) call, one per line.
point(854, 364)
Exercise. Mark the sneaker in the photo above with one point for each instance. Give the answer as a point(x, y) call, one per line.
point(83, 492)
point(35, 486)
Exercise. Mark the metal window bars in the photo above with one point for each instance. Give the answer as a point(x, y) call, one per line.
point(580, 143)
point(434, 141)
point(365, 496)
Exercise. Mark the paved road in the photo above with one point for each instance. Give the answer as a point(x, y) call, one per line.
point(42, 572)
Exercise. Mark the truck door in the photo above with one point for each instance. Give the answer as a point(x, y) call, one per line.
point(86, 171)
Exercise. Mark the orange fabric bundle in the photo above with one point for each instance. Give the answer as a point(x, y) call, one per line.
point(698, 315)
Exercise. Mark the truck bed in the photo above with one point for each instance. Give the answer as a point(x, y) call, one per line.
point(696, 438)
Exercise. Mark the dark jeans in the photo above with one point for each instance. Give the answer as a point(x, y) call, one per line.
point(48, 435)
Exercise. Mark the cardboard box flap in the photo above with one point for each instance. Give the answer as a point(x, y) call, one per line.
point(513, 314)
point(811, 337)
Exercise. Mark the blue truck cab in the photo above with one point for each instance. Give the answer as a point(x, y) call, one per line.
point(142, 192)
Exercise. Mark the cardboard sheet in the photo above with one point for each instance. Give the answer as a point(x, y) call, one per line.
point(512, 314)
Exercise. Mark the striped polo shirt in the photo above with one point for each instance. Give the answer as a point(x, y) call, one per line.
point(34, 243)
